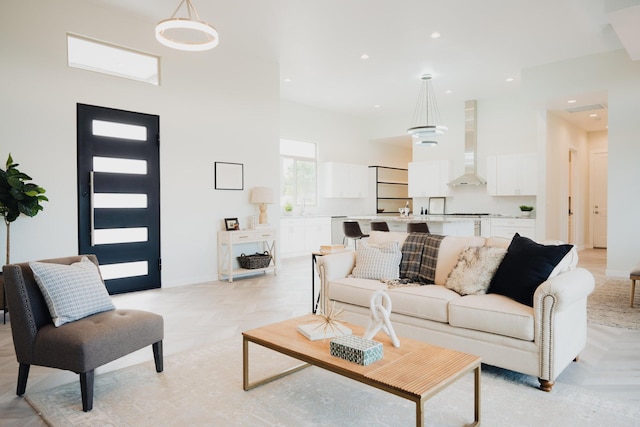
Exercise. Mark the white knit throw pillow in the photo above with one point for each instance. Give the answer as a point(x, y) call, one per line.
point(377, 262)
point(71, 291)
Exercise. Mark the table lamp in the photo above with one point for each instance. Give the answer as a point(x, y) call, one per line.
point(262, 196)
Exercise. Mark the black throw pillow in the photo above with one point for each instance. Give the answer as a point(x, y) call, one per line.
point(524, 267)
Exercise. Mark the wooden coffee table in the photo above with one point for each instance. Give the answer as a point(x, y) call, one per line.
point(415, 371)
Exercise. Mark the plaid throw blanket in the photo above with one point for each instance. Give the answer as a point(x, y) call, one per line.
point(419, 257)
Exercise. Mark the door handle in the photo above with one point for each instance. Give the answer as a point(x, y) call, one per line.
point(91, 210)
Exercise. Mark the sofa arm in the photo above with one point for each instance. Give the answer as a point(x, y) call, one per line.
point(331, 267)
point(560, 315)
point(566, 288)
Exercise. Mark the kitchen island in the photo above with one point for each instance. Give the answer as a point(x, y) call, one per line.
point(438, 224)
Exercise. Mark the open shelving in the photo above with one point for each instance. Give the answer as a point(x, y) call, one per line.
point(392, 189)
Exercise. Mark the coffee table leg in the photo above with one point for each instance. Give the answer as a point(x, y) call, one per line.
point(246, 385)
point(477, 376)
point(476, 402)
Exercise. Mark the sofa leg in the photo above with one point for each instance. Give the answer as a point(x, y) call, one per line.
point(545, 385)
point(157, 356)
point(86, 389)
point(23, 374)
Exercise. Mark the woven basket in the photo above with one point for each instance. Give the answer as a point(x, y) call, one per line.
point(255, 261)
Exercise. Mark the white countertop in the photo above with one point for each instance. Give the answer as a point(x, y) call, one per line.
point(431, 218)
point(412, 218)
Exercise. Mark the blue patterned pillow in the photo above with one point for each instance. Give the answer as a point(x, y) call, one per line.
point(377, 262)
point(71, 291)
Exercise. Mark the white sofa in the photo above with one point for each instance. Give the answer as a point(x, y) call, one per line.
point(540, 340)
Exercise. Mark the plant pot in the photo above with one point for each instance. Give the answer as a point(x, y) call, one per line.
point(526, 214)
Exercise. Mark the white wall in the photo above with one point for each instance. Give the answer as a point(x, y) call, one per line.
point(343, 139)
point(620, 77)
point(213, 106)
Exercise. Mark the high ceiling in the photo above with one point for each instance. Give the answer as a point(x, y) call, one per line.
point(319, 44)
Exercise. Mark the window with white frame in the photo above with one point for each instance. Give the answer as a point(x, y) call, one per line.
point(298, 177)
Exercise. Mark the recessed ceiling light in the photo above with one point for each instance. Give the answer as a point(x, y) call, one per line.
point(376, 106)
point(287, 80)
point(435, 35)
point(364, 56)
point(448, 91)
point(593, 115)
point(508, 79)
point(571, 101)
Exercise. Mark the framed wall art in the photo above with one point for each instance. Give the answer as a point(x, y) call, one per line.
point(437, 205)
point(229, 176)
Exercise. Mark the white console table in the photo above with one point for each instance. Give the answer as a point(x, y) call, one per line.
point(226, 241)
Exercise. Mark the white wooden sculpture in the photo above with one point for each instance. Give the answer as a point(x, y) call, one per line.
point(380, 310)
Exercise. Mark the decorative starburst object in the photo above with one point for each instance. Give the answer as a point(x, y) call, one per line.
point(330, 319)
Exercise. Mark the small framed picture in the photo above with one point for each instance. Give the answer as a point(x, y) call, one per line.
point(231, 224)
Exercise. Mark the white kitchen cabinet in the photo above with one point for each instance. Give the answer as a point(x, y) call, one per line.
point(429, 178)
point(301, 235)
point(344, 180)
point(485, 227)
point(507, 227)
point(291, 230)
point(317, 232)
point(512, 175)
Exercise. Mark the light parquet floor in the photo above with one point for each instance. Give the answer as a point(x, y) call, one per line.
point(203, 313)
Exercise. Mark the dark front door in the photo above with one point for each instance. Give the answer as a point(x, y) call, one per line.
point(119, 195)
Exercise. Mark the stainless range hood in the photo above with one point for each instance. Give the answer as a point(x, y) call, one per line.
point(470, 176)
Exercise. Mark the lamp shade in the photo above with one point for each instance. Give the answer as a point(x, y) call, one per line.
point(262, 195)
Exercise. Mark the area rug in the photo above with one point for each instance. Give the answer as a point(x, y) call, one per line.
point(609, 305)
point(203, 387)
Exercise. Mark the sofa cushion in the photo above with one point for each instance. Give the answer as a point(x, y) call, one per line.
point(568, 263)
point(426, 302)
point(354, 291)
point(525, 266)
point(475, 269)
point(493, 313)
point(498, 242)
point(450, 249)
point(377, 261)
point(380, 237)
point(71, 291)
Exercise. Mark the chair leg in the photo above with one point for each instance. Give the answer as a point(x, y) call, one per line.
point(157, 356)
point(86, 389)
point(23, 374)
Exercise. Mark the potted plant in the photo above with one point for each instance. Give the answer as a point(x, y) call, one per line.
point(18, 196)
point(288, 208)
point(526, 210)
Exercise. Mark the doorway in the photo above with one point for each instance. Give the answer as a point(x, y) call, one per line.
point(599, 173)
point(572, 201)
point(119, 195)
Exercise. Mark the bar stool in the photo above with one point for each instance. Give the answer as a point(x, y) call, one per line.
point(634, 275)
point(417, 227)
point(352, 231)
point(379, 226)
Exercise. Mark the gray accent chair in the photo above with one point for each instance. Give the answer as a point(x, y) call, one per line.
point(80, 346)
